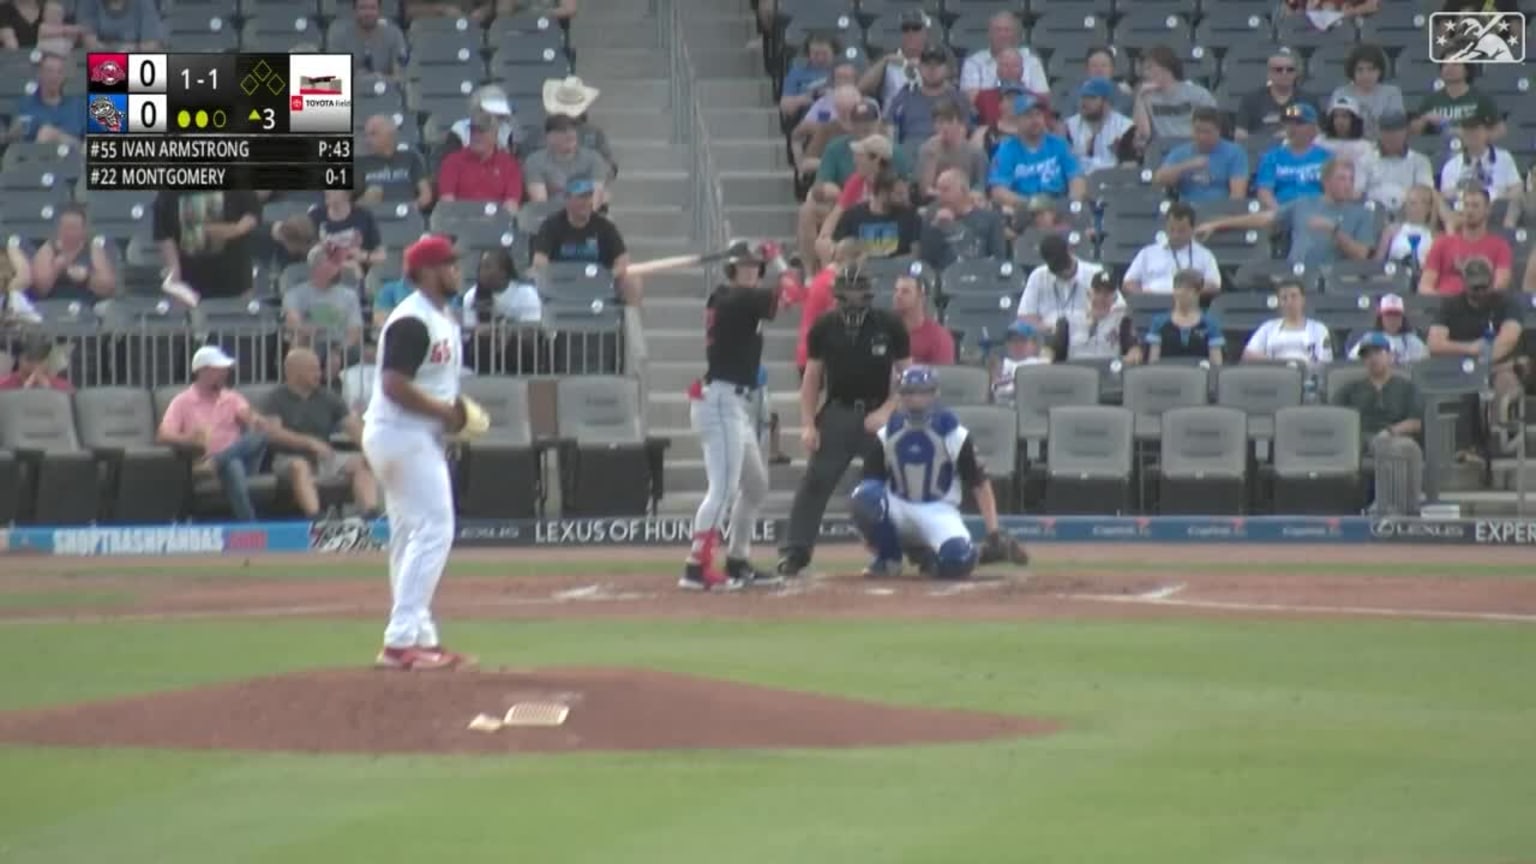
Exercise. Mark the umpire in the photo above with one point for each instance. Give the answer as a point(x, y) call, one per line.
point(855, 351)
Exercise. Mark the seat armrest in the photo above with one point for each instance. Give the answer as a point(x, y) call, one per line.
point(656, 464)
point(109, 454)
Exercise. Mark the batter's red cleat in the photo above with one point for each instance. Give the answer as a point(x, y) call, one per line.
point(416, 659)
point(696, 578)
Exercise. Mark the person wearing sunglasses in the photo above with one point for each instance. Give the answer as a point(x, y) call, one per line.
point(1262, 112)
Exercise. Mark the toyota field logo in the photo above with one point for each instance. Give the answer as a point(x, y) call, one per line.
point(108, 73)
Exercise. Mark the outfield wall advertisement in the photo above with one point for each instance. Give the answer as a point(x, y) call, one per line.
point(357, 535)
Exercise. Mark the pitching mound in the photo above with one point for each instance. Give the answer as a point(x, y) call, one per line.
point(366, 711)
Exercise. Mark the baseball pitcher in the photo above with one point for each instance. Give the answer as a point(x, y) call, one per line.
point(414, 407)
point(911, 492)
point(724, 412)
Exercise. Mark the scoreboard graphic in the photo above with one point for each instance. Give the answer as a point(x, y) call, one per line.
point(219, 121)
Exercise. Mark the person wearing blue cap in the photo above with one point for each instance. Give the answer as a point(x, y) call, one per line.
point(1293, 169)
point(1033, 161)
point(577, 232)
point(1021, 347)
point(1097, 131)
point(1390, 406)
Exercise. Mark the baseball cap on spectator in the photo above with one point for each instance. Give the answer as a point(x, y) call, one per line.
point(1391, 304)
point(1097, 88)
point(1026, 102)
point(914, 19)
point(492, 100)
point(211, 357)
point(581, 185)
point(1301, 112)
point(1374, 341)
point(1022, 330)
point(432, 250)
point(877, 146)
point(933, 54)
point(1345, 102)
point(1393, 121)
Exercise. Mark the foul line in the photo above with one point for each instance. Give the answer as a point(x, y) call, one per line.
point(1164, 597)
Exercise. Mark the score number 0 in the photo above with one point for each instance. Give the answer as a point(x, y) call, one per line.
point(147, 80)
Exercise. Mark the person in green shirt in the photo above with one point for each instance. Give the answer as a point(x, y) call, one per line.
point(1391, 411)
point(1445, 109)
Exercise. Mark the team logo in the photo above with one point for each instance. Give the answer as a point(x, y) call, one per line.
point(108, 73)
point(106, 114)
point(1477, 37)
point(342, 535)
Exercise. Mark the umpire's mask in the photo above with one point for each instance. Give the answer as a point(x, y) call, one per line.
point(854, 293)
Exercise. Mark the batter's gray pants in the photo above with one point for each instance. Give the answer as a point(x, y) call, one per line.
point(725, 418)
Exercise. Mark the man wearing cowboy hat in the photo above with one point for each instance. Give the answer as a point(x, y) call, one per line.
point(571, 97)
point(561, 158)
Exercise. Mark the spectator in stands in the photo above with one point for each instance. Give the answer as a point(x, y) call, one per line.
point(1021, 347)
point(950, 149)
point(348, 232)
point(1059, 287)
point(847, 113)
point(897, 70)
point(377, 44)
point(913, 113)
point(1448, 257)
point(15, 277)
point(1034, 162)
point(1099, 62)
point(1262, 112)
point(1394, 168)
point(1165, 102)
point(1186, 330)
point(307, 414)
point(1486, 324)
point(48, 114)
point(218, 424)
point(34, 369)
point(359, 379)
point(1101, 330)
point(71, 265)
point(121, 25)
point(1395, 331)
point(571, 97)
point(1097, 132)
point(1444, 109)
point(815, 296)
point(205, 239)
point(499, 293)
point(484, 171)
point(989, 103)
point(824, 111)
point(561, 158)
point(1327, 14)
point(1293, 169)
point(1155, 266)
point(873, 156)
point(1292, 336)
point(1391, 406)
point(560, 10)
point(1335, 227)
point(67, 36)
point(979, 73)
point(1365, 67)
point(46, 26)
point(490, 107)
point(577, 232)
point(1408, 240)
point(838, 166)
point(1208, 167)
point(1343, 135)
point(958, 228)
point(886, 226)
point(389, 172)
point(932, 343)
point(324, 310)
point(809, 76)
point(1480, 164)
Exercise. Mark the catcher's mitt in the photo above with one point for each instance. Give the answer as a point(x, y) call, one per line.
point(999, 547)
point(474, 420)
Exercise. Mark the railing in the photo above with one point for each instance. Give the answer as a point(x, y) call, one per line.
point(690, 131)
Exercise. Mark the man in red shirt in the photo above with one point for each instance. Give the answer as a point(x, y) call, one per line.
point(483, 171)
point(932, 343)
point(1442, 269)
point(32, 370)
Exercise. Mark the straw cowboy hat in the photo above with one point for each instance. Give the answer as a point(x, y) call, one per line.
point(568, 96)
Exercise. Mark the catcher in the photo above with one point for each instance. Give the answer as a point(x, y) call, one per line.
point(912, 488)
point(414, 407)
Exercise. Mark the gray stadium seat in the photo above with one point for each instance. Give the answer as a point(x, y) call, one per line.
point(586, 338)
point(1366, 277)
point(978, 324)
point(520, 22)
point(1039, 388)
point(1297, 31)
point(984, 276)
point(1203, 466)
point(142, 482)
point(1151, 390)
point(964, 385)
point(1026, 249)
point(58, 482)
point(1235, 25)
point(1089, 467)
point(608, 466)
point(578, 283)
point(1139, 29)
point(1069, 28)
point(501, 475)
point(1396, 26)
point(1259, 390)
point(1337, 376)
point(474, 224)
point(1260, 274)
point(250, 330)
point(1317, 461)
point(995, 437)
point(1144, 307)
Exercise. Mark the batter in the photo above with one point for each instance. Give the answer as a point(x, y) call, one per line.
point(723, 410)
point(415, 406)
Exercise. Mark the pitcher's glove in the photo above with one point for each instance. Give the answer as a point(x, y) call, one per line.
point(999, 547)
point(473, 421)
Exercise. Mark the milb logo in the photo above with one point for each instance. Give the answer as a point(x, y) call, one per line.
point(1477, 37)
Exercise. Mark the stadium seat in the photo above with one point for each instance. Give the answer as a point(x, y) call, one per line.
point(1144, 307)
point(1026, 249)
point(1372, 277)
point(577, 283)
point(995, 435)
point(1398, 26)
point(608, 466)
point(984, 277)
point(1089, 466)
point(1317, 461)
point(978, 323)
point(1261, 274)
point(501, 475)
point(1297, 32)
point(1148, 391)
point(1259, 390)
point(506, 26)
point(1039, 388)
point(1337, 376)
point(142, 482)
point(147, 342)
point(474, 224)
point(58, 479)
point(964, 385)
point(250, 330)
point(586, 339)
point(1139, 29)
point(1203, 464)
point(1069, 28)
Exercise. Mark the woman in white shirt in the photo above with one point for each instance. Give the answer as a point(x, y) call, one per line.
point(1292, 336)
point(1414, 232)
point(1344, 136)
point(499, 294)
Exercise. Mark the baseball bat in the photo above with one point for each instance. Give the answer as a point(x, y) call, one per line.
point(676, 262)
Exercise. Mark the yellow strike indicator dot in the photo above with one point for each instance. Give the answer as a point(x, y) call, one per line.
point(202, 119)
point(183, 118)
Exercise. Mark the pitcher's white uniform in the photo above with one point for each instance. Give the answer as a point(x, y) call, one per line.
point(406, 452)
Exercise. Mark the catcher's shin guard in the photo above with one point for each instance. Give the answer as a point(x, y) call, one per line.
point(957, 559)
point(873, 519)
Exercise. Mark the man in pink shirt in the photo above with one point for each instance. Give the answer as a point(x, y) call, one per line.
point(219, 423)
point(932, 343)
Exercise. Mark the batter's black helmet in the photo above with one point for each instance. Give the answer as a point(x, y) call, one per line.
point(741, 253)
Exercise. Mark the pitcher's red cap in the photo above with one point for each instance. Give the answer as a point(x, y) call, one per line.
point(431, 250)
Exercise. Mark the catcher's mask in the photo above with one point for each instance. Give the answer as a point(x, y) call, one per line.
point(741, 254)
point(918, 390)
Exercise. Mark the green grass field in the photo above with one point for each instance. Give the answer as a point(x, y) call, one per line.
point(1185, 741)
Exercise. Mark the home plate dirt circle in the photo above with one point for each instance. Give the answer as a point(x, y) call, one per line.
point(369, 711)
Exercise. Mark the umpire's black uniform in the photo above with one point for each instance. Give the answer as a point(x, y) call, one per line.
point(857, 349)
